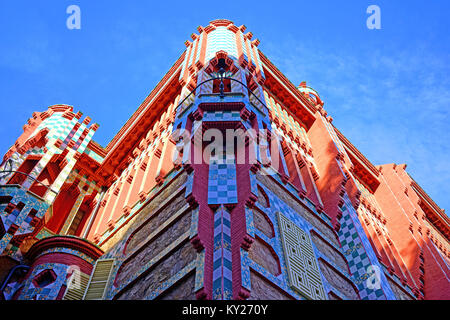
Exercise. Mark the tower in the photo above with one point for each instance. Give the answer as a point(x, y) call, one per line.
point(228, 182)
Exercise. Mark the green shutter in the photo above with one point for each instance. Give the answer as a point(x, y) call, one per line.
point(74, 292)
point(99, 280)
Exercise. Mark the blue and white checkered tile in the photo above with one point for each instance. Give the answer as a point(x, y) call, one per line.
point(222, 180)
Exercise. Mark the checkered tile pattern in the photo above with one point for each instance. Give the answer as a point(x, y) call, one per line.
point(221, 116)
point(222, 277)
point(20, 218)
point(222, 180)
point(360, 256)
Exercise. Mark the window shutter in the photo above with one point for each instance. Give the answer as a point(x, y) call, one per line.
point(76, 291)
point(99, 279)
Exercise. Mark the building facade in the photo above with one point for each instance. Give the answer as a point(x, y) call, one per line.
point(228, 182)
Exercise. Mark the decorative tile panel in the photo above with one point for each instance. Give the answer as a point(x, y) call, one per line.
point(302, 267)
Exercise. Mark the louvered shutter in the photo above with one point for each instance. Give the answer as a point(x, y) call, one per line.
point(99, 279)
point(76, 291)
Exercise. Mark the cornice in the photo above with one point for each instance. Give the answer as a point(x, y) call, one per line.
point(70, 242)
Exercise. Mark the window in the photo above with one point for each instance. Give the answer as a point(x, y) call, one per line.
point(44, 278)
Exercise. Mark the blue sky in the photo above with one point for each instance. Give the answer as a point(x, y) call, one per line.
point(387, 90)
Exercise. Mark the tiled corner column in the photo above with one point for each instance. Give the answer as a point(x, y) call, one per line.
point(360, 256)
point(222, 277)
point(221, 191)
